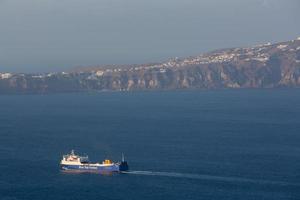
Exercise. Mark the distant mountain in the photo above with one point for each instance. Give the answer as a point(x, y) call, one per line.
point(262, 66)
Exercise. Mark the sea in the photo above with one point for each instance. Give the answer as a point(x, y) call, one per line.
point(216, 144)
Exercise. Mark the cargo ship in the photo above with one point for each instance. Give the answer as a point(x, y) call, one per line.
point(75, 163)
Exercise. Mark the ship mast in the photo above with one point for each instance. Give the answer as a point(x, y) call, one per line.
point(123, 159)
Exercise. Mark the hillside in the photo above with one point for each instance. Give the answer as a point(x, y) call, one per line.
point(262, 66)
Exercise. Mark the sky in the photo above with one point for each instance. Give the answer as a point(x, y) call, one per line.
point(56, 35)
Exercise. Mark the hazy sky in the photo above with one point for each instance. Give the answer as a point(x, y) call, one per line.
point(51, 35)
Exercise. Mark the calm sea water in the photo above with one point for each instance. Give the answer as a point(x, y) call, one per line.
point(230, 144)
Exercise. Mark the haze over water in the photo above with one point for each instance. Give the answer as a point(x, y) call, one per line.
point(230, 144)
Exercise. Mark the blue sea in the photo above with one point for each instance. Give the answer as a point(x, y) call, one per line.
point(221, 144)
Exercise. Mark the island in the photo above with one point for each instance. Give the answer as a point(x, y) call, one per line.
point(261, 66)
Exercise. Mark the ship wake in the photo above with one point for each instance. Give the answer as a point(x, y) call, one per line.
point(212, 178)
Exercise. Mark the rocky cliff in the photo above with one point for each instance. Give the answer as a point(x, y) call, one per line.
point(262, 66)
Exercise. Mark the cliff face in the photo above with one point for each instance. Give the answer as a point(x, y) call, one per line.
point(263, 66)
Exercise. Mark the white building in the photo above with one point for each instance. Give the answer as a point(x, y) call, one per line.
point(5, 75)
point(282, 46)
point(38, 76)
point(99, 73)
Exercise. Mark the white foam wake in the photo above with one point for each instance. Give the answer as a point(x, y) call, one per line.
point(211, 178)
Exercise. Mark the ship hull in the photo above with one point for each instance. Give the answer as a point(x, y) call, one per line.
point(90, 168)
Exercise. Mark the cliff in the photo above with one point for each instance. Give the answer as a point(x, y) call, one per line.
point(262, 66)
